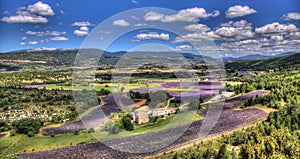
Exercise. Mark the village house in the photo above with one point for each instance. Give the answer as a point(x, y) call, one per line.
point(162, 111)
point(142, 114)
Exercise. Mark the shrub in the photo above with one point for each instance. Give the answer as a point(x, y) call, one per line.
point(30, 134)
point(91, 130)
point(23, 126)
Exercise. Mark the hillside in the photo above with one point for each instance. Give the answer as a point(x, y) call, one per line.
point(288, 61)
point(64, 59)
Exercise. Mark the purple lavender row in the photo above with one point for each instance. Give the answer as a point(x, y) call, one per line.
point(35, 86)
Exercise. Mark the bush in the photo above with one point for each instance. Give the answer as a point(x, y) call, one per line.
point(91, 130)
point(75, 132)
point(30, 134)
point(24, 126)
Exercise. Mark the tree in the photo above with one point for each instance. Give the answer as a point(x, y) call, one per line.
point(27, 126)
point(223, 154)
point(127, 124)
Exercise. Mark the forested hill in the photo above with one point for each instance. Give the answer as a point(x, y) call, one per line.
point(60, 58)
point(289, 61)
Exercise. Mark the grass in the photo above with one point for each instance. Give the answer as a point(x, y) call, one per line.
point(22, 143)
point(261, 107)
point(95, 86)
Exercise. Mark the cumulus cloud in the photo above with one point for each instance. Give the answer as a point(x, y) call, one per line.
point(152, 35)
point(185, 15)
point(197, 28)
point(32, 14)
point(291, 16)
point(239, 11)
point(294, 35)
point(231, 33)
point(272, 44)
point(192, 37)
point(135, 1)
point(46, 33)
point(25, 19)
point(242, 24)
point(84, 28)
point(277, 37)
point(59, 38)
point(83, 24)
point(22, 43)
point(40, 8)
point(23, 38)
point(104, 32)
point(140, 24)
point(228, 31)
point(153, 16)
point(183, 47)
point(121, 23)
point(190, 15)
point(32, 42)
point(276, 29)
point(80, 33)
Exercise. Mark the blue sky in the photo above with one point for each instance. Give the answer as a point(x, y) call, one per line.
point(236, 27)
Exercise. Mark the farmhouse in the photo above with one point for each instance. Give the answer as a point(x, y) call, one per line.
point(141, 115)
point(162, 111)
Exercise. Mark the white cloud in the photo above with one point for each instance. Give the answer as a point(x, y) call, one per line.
point(276, 29)
point(41, 9)
point(82, 24)
point(291, 16)
point(140, 24)
point(25, 19)
point(84, 28)
point(24, 38)
point(190, 15)
point(191, 37)
point(153, 16)
point(104, 32)
point(121, 22)
point(31, 14)
point(239, 11)
point(46, 33)
point(185, 15)
point(83, 31)
point(184, 47)
point(229, 31)
point(135, 17)
point(273, 44)
point(32, 42)
point(242, 24)
point(152, 35)
point(277, 37)
point(197, 28)
point(135, 1)
point(59, 38)
point(294, 35)
point(80, 33)
point(22, 43)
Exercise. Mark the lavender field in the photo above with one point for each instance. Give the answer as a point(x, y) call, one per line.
point(228, 121)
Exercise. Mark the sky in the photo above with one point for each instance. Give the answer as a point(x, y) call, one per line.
point(236, 28)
